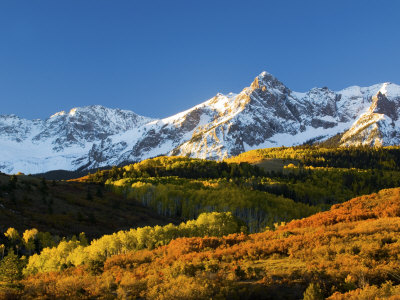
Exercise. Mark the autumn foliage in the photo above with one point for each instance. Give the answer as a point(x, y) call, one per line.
point(383, 204)
point(349, 252)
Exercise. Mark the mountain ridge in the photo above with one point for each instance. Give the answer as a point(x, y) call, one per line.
point(264, 114)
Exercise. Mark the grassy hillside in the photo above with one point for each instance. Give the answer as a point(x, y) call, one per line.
point(349, 252)
point(68, 208)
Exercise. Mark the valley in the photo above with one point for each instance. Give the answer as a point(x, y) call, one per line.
point(266, 224)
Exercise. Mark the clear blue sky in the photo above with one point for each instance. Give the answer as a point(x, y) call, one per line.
point(160, 57)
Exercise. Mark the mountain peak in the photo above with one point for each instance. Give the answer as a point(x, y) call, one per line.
point(268, 81)
point(92, 110)
point(72, 112)
point(388, 89)
point(266, 114)
point(264, 76)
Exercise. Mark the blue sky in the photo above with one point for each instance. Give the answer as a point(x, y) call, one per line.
point(161, 57)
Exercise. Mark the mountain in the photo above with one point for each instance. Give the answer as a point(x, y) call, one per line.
point(63, 141)
point(265, 114)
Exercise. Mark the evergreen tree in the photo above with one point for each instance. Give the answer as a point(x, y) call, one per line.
point(313, 292)
point(10, 268)
point(89, 195)
point(12, 184)
point(83, 240)
point(99, 192)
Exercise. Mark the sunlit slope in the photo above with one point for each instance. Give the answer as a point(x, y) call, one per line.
point(186, 187)
point(383, 158)
point(354, 248)
point(384, 204)
point(286, 184)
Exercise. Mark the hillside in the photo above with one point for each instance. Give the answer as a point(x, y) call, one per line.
point(265, 114)
point(378, 158)
point(260, 187)
point(268, 224)
point(348, 252)
point(68, 208)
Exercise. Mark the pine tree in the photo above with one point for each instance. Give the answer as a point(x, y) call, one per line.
point(89, 195)
point(43, 186)
point(83, 239)
point(10, 268)
point(99, 193)
point(313, 292)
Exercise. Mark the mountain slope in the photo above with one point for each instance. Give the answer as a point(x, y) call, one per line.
point(68, 208)
point(265, 114)
point(344, 252)
point(63, 141)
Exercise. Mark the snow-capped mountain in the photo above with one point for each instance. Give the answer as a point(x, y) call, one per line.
point(63, 140)
point(265, 114)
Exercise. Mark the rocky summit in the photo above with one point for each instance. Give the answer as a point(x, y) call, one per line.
point(265, 114)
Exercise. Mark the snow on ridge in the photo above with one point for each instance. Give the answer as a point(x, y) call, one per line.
point(215, 128)
point(60, 113)
point(72, 112)
point(298, 95)
point(388, 88)
point(392, 89)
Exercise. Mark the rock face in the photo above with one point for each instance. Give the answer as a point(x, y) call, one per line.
point(265, 114)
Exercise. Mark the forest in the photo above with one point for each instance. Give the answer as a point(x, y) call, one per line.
point(348, 252)
point(297, 183)
point(69, 208)
point(291, 223)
